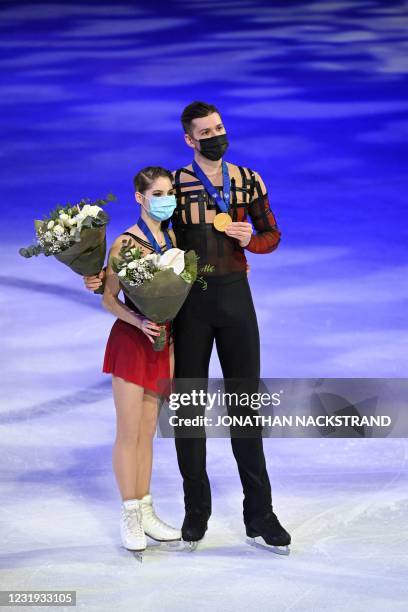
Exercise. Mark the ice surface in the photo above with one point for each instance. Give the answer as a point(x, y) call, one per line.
point(314, 100)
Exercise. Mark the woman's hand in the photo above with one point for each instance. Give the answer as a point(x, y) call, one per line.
point(150, 329)
point(94, 282)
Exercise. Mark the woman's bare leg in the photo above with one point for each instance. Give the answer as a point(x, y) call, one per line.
point(147, 430)
point(128, 399)
point(144, 454)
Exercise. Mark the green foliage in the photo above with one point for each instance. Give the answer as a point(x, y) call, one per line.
point(67, 208)
point(189, 274)
point(127, 253)
point(31, 251)
point(191, 260)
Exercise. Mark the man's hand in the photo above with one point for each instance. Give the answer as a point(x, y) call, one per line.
point(241, 231)
point(94, 282)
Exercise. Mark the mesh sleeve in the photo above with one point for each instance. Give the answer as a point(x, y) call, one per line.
point(267, 235)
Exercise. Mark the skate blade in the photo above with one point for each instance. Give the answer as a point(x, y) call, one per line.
point(259, 542)
point(176, 546)
point(172, 545)
point(165, 544)
point(190, 546)
point(138, 555)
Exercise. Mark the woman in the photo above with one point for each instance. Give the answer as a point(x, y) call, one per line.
point(136, 367)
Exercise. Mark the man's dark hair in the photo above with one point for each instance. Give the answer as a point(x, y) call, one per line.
point(146, 177)
point(195, 110)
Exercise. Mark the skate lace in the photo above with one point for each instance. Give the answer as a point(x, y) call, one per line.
point(133, 521)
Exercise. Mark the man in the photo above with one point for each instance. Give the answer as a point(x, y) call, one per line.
point(214, 201)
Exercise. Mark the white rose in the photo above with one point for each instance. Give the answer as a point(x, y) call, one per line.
point(132, 264)
point(90, 211)
point(94, 211)
point(58, 230)
point(50, 224)
point(122, 272)
point(65, 219)
point(153, 257)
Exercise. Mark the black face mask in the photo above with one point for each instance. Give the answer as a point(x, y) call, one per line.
point(214, 148)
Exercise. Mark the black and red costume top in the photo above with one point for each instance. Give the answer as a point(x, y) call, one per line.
point(192, 220)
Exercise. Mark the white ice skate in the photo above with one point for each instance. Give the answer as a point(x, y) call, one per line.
point(157, 530)
point(131, 528)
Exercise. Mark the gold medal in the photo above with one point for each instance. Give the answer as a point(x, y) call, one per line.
point(221, 221)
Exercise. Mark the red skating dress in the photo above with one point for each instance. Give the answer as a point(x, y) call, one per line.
point(129, 353)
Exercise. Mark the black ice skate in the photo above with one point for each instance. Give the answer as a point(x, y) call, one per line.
point(266, 532)
point(193, 529)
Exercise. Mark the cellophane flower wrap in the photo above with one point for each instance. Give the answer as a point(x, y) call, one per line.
point(74, 234)
point(157, 284)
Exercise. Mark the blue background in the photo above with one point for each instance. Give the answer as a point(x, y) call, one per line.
point(313, 96)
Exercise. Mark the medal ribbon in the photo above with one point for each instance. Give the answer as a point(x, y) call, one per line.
point(145, 229)
point(212, 191)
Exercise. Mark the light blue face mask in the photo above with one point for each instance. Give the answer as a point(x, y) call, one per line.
point(161, 207)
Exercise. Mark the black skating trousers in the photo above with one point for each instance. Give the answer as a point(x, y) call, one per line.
point(223, 313)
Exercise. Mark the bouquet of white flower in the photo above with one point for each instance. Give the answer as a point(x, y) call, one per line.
point(75, 235)
point(157, 284)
